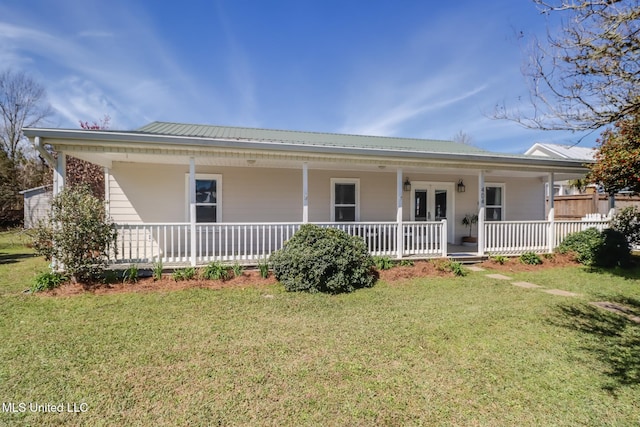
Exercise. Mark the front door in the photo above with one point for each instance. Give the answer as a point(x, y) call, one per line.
point(433, 201)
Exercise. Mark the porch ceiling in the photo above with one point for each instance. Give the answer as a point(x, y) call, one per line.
point(262, 160)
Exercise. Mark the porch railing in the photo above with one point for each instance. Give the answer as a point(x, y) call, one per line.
point(253, 242)
point(518, 237)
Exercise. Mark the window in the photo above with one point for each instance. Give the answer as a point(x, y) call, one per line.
point(208, 196)
point(494, 196)
point(345, 199)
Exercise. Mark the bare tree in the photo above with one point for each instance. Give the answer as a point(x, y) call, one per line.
point(463, 138)
point(23, 104)
point(588, 75)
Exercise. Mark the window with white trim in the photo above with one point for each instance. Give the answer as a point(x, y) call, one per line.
point(494, 197)
point(345, 203)
point(208, 197)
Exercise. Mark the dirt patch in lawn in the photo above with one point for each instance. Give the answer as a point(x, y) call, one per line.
point(514, 264)
point(248, 278)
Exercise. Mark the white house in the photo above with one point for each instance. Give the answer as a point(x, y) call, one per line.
point(562, 188)
point(194, 193)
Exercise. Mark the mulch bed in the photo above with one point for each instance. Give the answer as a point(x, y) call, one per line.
point(251, 278)
point(513, 264)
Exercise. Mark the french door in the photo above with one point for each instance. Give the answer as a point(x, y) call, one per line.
point(433, 201)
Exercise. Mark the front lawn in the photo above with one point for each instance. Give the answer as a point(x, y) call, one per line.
point(436, 351)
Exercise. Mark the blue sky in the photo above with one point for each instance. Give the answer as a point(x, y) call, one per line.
point(424, 69)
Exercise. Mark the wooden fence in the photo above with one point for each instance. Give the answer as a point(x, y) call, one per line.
point(579, 205)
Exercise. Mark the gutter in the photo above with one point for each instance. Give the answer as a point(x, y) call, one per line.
point(44, 153)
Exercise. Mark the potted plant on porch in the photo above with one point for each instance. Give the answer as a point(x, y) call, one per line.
point(468, 221)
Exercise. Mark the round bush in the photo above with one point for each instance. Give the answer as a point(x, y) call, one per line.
point(326, 260)
point(608, 248)
point(615, 250)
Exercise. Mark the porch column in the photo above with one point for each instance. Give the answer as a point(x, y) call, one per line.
point(551, 214)
point(481, 212)
point(107, 189)
point(399, 233)
point(612, 205)
point(59, 173)
point(305, 192)
point(192, 208)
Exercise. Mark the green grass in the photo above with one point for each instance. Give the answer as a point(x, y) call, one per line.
point(18, 263)
point(436, 351)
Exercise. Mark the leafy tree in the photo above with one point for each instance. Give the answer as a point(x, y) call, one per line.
point(588, 75)
point(78, 234)
point(617, 165)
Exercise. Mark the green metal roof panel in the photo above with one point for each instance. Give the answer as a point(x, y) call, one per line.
point(308, 138)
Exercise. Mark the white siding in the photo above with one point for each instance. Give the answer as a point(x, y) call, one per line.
point(157, 193)
point(36, 207)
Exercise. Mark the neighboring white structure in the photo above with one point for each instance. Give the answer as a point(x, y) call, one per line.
point(561, 188)
point(37, 203)
point(195, 193)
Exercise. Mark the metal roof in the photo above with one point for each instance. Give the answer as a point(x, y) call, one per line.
point(562, 151)
point(308, 138)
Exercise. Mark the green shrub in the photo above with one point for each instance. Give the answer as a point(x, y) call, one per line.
point(406, 263)
point(215, 271)
point(237, 270)
point(78, 234)
point(157, 270)
point(130, 275)
point(186, 273)
point(263, 266)
point(48, 280)
point(615, 250)
point(530, 258)
point(456, 268)
point(627, 222)
point(320, 259)
point(500, 259)
point(382, 262)
point(592, 247)
point(584, 244)
point(449, 266)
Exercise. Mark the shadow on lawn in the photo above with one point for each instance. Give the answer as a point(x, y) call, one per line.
point(615, 339)
point(6, 258)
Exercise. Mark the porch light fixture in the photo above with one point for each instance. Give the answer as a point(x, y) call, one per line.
point(407, 185)
point(461, 187)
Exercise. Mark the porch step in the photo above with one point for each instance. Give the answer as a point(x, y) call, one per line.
point(467, 258)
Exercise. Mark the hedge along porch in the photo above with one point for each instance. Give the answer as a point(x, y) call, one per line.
point(192, 194)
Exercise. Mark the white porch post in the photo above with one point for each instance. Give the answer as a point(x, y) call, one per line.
point(612, 206)
point(481, 212)
point(305, 192)
point(192, 208)
point(107, 189)
point(399, 233)
point(59, 173)
point(551, 215)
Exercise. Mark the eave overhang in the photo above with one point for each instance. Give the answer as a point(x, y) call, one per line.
point(136, 142)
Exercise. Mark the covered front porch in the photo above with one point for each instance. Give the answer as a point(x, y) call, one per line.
point(252, 243)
